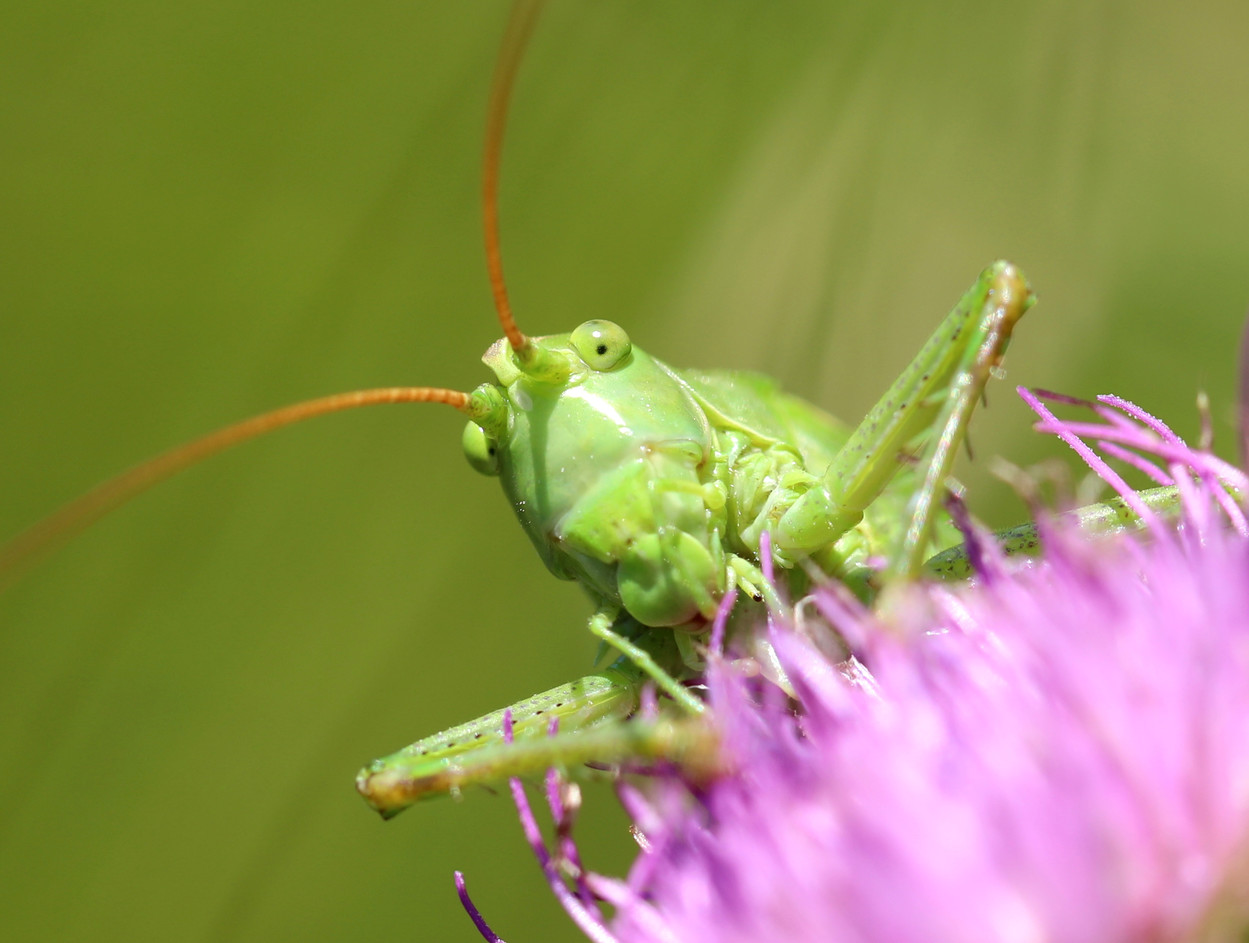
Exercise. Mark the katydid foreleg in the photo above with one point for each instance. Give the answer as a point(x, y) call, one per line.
point(473, 753)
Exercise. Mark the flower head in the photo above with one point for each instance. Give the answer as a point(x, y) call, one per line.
point(1062, 754)
point(1058, 751)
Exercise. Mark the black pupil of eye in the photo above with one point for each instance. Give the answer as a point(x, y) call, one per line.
point(601, 349)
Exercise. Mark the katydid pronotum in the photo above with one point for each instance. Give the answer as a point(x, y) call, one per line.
point(657, 523)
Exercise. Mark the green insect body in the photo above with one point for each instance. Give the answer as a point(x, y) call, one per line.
point(652, 487)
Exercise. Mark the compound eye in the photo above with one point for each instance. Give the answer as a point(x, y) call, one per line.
point(601, 344)
point(480, 449)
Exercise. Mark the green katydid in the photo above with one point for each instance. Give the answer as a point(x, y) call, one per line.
point(652, 487)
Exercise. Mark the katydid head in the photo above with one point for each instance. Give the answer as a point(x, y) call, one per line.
point(597, 446)
point(594, 346)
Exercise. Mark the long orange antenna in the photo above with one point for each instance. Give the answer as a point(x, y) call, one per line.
point(519, 26)
point(84, 511)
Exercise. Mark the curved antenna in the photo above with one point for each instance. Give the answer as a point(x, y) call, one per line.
point(519, 26)
point(80, 513)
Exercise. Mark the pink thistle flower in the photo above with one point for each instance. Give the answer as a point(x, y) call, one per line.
point(1058, 755)
point(1057, 751)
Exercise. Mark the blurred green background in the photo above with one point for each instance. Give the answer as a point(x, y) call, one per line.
point(209, 210)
